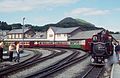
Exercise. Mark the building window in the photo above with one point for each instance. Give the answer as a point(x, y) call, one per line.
point(26, 35)
point(9, 36)
point(58, 35)
point(50, 35)
point(29, 36)
point(13, 36)
point(17, 36)
point(69, 36)
point(20, 35)
point(64, 35)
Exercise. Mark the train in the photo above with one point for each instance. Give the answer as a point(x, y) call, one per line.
point(51, 44)
point(99, 46)
point(38, 43)
point(102, 48)
point(83, 44)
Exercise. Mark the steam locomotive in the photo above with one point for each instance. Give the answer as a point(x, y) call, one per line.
point(101, 48)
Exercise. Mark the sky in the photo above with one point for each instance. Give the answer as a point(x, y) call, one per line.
point(101, 13)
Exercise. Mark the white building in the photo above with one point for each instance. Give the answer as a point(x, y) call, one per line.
point(18, 33)
point(61, 34)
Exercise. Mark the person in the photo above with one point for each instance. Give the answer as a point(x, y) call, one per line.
point(17, 51)
point(11, 49)
point(1, 51)
point(117, 50)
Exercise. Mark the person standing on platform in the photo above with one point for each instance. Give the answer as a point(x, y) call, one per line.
point(17, 51)
point(1, 51)
point(11, 49)
point(117, 50)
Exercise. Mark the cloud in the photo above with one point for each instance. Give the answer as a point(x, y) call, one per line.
point(88, 12)
point(116, 9)
point(41, 20)
point(27, 5)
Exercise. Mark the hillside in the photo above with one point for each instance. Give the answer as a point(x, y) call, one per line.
point(70, 22)
point(66, 22)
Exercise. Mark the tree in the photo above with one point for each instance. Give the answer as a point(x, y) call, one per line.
point(3, 25)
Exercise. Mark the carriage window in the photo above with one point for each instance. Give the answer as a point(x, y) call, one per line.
point(94, 38)
point(35, 42)
point(58, 35)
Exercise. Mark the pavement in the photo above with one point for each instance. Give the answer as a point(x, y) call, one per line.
point(115, 71)
point(25, 53)
point(23, 56)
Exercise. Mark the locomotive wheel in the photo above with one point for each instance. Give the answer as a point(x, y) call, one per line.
point(110, 53)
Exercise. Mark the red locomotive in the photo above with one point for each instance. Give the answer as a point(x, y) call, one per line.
point(101, 47)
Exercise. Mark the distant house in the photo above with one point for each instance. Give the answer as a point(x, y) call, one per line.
point(85, 34)
point(3, 34)
point(61, 34)
point(18, 33)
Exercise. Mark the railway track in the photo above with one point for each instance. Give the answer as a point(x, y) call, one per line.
point(4, 65)
point(58, 66)
point(17, 66)
point(93, 72)
point(27, 63)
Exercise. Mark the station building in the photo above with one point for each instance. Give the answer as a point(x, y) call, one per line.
point(18, 33)
point(61, 34)
point(82, 38)
point(74, 36)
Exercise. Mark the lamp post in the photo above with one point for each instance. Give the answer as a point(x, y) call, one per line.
point(23, 34)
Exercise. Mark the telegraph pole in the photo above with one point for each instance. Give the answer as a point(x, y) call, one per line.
point(23, 33)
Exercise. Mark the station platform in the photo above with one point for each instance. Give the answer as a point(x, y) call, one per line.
point(23, 56)
point(25, 53)
point(115, 72)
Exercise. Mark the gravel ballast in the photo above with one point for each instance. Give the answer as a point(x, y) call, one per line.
point(41, 65)
point(73, 71)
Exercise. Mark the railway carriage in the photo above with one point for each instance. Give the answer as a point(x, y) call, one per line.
point(81, 44)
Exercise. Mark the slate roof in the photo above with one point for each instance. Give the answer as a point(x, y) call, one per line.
point(85, 34)
point(18, 30)
point(116, 36)
point(64, 30)
point(40, 35)
point(3, 32)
